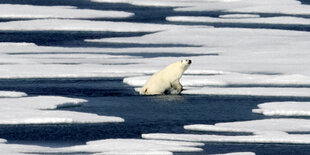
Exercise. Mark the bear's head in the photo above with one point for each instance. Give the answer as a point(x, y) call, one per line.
point(185, 63)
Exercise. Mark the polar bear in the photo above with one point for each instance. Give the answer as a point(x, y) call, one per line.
point(167, 80)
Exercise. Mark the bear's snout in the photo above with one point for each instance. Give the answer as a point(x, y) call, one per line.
point(189, 61)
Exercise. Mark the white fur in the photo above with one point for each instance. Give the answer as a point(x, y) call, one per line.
point(166, 80)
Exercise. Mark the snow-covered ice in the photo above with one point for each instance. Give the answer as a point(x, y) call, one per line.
point(244, 20)
point(2, 141)
point(79, 25)
point(238, 153)
point(251, 91)
point(32, 11)
point(220, 84)
point(284, 108)
point(268, 48)
point(11, 94)
point(231, 79)
point(270, 137)
point(239, 49)
point(256, 126)
point(262, 131)
point(235, 6)
point(110, 146)
point(40, 110)
point(239, 16)
point(132, 146)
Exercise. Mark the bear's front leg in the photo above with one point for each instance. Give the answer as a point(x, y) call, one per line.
point(177, 86)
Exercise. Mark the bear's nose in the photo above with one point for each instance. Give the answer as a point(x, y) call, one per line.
point(189, 61)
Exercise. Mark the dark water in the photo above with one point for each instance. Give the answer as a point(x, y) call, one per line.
point(109, 96)
point(142, 114)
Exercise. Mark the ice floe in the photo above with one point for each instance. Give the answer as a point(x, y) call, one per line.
point(132, 146)
point(110, 146)
point(155, 3)
point(251, 91)
point(6, 94)
point(272, 137)
point(238, 153)
point(256, 126)
point(264, 131)
point(284, 108)
point(239, 16)
point(32, 11)
point(232, 79)
point(235, 6)
point(79, 25)
point(251, 20)
point(238, 84)
point(40, 110)
point(249, 6)
point(2, 141)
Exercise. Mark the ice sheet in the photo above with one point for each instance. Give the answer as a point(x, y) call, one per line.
point(11, 94)
point(40, 110)
point(268, 48)
point(32, 11)
point(228, 41)
point(284, 108)
point(263, 20)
